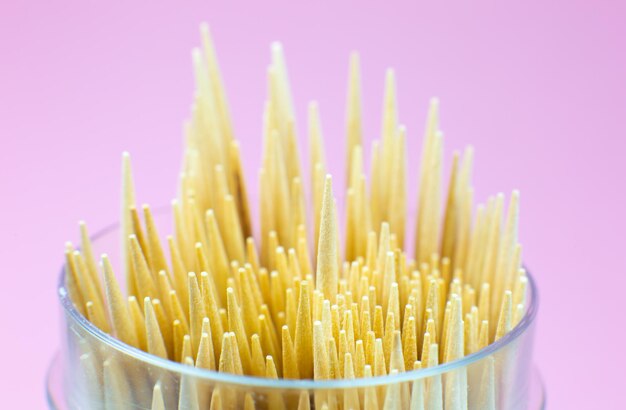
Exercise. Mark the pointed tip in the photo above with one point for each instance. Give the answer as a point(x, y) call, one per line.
point(277, 45)
point(328, 200)
point(230, 294)
point(384, 229)
point(196, 54)
point(210, 214)
point(328, 181)
point(390, 74)
point(355, 65)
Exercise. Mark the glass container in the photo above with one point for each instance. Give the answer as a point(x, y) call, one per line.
point(93, 370)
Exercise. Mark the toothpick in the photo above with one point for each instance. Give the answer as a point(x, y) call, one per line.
point(409, 344)
point(334, 365)
point(196, 311)
point(304, 333)
point(248, 402)
point(118, 310)
point(235, 324)
point(206, 353)
point(451, 218)
point(89, 292)
point(209, 298)
point(353, 111)
point(73, 281)
point(304, 402)
point(390, 329)
point(138, 320)
point(144, 280)
point(217, 253)
point(156, 345)
point(157, 398)
point(92, 269)
point(128, 200)
point(398, 195)
point(393, 398)
point(156, 251)
point(216, 80)
point(275, 400)
point(234, 239)
point(505, 321)
point(351, 396)
point(116, 390)
point(320, 353)
point(487, 396)
point(434, 398)
point(327, 275)
point(258, 360)
point(290, 362)
point(239, 190)
point(380, 368)
point(370, 401)
point(188, 396)
point(417, 391)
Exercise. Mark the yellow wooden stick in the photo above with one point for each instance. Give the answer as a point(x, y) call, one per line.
point(89, 257)
point(118, 310)
point(116, 389)
point(156, 345)
point(188, 396)
point(258, 360)
point(304, 333)
point(138, 321)
point(128, 201)
point(354, 125)
point(320, 353)
point(327, 275)
point(206, 353)
point(158, 402)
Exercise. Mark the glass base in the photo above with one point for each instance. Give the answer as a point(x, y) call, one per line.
point(537, 391)
point(54, 388)
point(54, 385)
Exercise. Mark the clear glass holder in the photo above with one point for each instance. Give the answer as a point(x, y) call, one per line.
point(500, 376)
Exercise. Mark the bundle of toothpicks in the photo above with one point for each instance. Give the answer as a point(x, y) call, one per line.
point(306, 296)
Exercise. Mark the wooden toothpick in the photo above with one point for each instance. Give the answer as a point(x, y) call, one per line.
point(327, 275)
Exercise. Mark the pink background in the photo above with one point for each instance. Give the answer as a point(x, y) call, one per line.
point(538, 89)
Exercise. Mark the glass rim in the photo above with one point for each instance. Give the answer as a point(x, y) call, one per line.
point(293, 384)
